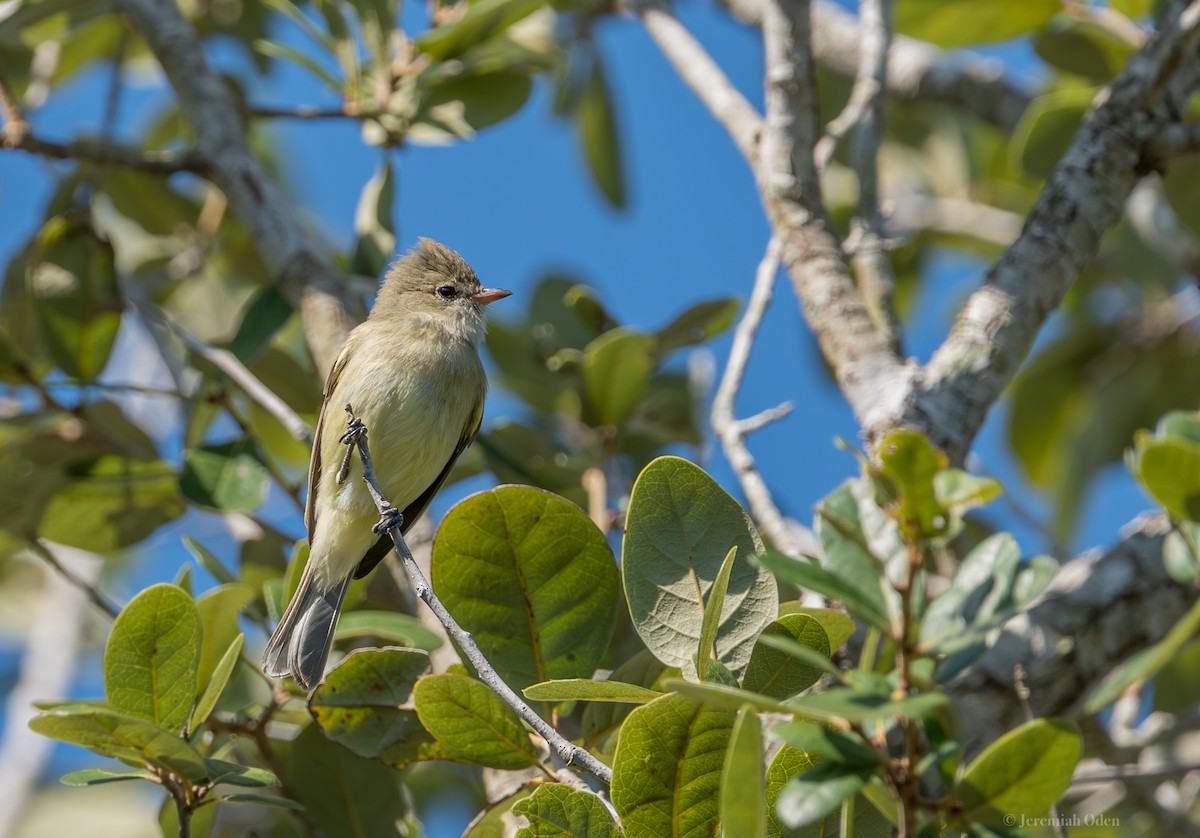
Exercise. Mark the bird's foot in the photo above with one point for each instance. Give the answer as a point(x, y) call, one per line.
point(355, 430)
point(389, 519)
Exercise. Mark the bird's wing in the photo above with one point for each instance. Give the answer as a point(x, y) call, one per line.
point(314, 463)
point(413, 511)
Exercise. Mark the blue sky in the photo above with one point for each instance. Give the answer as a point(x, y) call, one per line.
point(517, 202)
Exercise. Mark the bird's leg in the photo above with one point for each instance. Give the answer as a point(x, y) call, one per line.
point(356, 429)
point(389, 516)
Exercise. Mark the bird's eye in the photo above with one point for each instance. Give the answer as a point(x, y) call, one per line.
point(447, 292)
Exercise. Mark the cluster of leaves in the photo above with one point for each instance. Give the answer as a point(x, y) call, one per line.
point(679, 714)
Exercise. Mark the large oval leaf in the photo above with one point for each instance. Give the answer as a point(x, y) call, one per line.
point(532, 578)
point(556, 810)
point(152, 657)
point(667, 768)
point(679, 529)
point(472, 723)
point(774, 672)
point(1022, 772)
point(359, 704)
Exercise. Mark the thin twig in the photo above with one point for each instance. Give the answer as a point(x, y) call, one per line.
point(572, 755)
point(731, 432)
point(98, 599)
point(301, 112)
point(104, 154)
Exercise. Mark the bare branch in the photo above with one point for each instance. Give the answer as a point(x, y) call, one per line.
point(572, 755)
point(300, 112)
point(731, 432)
point(105, 154)
point(697, 69)
point(84, 584)
point(1083, 199)
point(956, 217)
point(304, 275)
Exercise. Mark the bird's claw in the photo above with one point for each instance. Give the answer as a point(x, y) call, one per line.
point(389, 519)
point(356, 429)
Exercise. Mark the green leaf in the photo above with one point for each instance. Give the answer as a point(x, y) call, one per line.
point(960, 491)
point(679, 528)
point(616, 370)
point(127, 738)
point(773, 672)
point(359, 704)
point(219, 609)
point(743, 783)
point(471, 722)
point(345, 795)
point(839, 627)
point(234, 774)
point(1046, 127)
point(667, 768)
point(494, 821)
point(859, 600)
point(1022, 773)
point(585, 689)
point(460, 106)
point(862, 706)
point(375, 224)
point(229, 477)
point(97, 776)
point(601, 717)
point(905, 478)
point(73, 284)
point(731, 698)
point(699, 323)
point(1145, 663)
point(216, 683)
point(960, 23)
point(1083, 47)
point(265, 314)
point(558, 810)
point(111, 502)
point(152, 657)
point(596, 120)
point(712, 614)
point(209, 561)
point(389, 626)
point(275, 49)
point(789, 762)
point(259, 799)
point(1170, 471)
point(483, 20)
point(817, 740)
point(819, 792)
point(859, 541)
point(532, 578)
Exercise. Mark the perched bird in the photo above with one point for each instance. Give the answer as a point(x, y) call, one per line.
point(411, 373)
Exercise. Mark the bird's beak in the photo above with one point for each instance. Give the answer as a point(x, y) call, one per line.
point(489, 295)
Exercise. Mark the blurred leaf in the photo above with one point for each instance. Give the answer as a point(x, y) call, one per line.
point(1046, 129)
point(1082, 47)
point(152, 655)
point(679, 528)
point(552, 587)
point(819, 792)
point(616, 370)
point(817, 740)
point(774, 673)
point(904, 481)
point(1178, 683)
point(517, 453)
point(375, 223)
point(281, 51)
point(643, 669)
point(596, 120)
point(1022, 773)
point(1181, 552)
point(219, 611)
point(259, 799)
point(471, 722)
point(482, 20)
point(389, 627)
point(359, 704)
point(461, 106)
point(585, 689)
point(73, 284)
point(859, 544)
point(1145, 663)
point(229, 477)
point(127, 738)
point(97, 776)
point(233, 774)
point(208, 561)
point(265, 314)
point(494, 821)
point(699, 323)
point(865, 705)
point(216, 683)
point(555, 810)
point(339, 789)
point(811, 577)
point(960, 23)
point(743, 784)
point(1167, 462)
point(667, 769)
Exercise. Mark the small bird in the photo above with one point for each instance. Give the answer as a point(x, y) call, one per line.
point(412, 374)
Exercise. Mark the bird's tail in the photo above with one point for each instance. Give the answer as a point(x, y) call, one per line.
point(300, 645)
